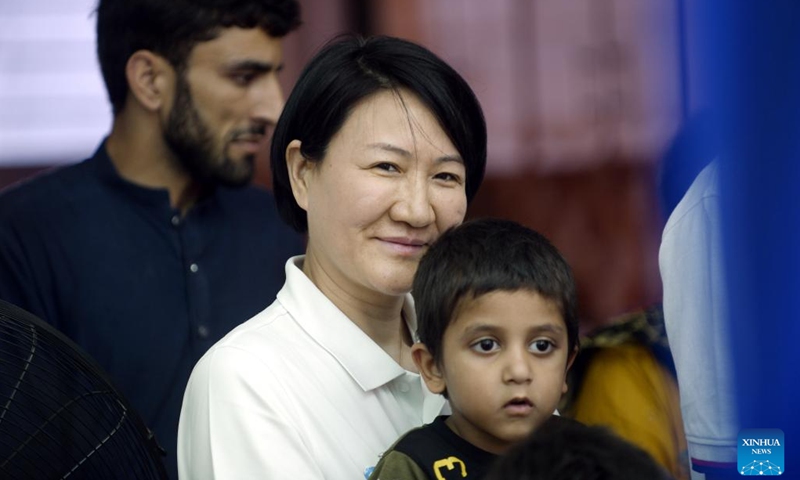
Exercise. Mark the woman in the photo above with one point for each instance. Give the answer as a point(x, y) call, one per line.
point(379, 149)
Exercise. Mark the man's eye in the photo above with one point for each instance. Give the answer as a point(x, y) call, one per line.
point(243, 78)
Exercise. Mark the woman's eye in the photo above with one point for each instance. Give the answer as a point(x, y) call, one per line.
point(485, 345)
point(542, 346)
point(448, 177)
point(388, 167)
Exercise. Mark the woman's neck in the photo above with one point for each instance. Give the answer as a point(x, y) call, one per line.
point(378, 315)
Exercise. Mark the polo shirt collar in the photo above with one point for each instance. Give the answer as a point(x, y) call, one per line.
point(356, 352)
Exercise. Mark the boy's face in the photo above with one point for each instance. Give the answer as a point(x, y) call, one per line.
point(504, 360)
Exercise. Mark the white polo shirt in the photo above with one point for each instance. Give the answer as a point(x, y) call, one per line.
point(691, 266)
point(298, 391)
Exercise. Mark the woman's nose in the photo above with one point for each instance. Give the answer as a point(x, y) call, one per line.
point(413, 204)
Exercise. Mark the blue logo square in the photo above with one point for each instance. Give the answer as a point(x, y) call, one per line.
point(760, 452)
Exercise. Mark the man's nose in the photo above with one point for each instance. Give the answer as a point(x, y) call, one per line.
point(268, 101)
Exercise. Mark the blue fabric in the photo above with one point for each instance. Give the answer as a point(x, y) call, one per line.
point(142, 290)
point(751, 73)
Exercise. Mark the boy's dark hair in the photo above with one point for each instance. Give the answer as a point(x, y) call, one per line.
point(171, 28)
point(347, 71)
point(563, 449)
point(483, 256)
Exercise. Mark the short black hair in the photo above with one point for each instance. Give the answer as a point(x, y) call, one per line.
point(564, 449)
point(482, 256)
point(172, 28)
point(347, 71)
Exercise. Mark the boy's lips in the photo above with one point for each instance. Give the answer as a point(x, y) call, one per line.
point(518, 406)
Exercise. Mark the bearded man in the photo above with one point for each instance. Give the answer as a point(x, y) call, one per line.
point(154, 248)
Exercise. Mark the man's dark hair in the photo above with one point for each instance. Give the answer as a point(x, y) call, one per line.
point(484, 256)
point(172, 28)
point(351, 69)
point(563, 449)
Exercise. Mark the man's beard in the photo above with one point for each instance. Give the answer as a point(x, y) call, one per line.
point(192, 143)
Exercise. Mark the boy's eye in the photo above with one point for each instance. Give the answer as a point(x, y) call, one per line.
point(485, 345)
point(541, 346)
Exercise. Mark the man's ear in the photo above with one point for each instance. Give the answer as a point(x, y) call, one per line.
point(428, 368)
point(151, 79)
point(570, 361)
point(299, 168)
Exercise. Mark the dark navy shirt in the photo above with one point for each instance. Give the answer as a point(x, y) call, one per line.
point(143, 290)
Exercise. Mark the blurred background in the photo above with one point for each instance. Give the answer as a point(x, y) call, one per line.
point(584, 101)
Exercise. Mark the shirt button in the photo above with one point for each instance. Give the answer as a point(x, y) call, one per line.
point(194, 268)
point(176, 220)
point(404, 387)
point(202, 331)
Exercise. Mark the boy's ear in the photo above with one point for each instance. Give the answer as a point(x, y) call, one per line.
point(150, 79)
point(299, 168)
point(430, 371)
point(570, 361)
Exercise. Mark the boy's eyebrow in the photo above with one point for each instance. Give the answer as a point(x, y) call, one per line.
point(405, 153)
point(548, 327)
point(489, 328)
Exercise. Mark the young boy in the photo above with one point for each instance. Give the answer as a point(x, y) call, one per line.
point(498, 330)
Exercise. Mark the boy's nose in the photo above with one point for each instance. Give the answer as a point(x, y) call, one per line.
point(518, 368)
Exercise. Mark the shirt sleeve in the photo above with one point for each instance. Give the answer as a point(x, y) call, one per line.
point(19, 282)
point(230, 429)
point(691, 265)
point(397, 466)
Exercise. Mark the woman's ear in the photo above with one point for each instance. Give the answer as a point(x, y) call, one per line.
point(151, 79)
point(299, 168)
point(428, 368)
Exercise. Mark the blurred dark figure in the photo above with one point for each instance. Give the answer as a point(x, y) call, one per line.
point(570, 450)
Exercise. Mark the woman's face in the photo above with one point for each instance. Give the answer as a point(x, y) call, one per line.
point(390, 183)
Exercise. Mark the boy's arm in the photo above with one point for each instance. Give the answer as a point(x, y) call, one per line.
point(397, 466)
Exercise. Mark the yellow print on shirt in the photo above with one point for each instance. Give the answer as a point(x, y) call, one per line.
point(450, 463)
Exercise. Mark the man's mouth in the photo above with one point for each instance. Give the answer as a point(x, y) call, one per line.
point(250, 142)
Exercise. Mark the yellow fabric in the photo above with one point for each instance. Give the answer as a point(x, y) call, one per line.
point(627, 390)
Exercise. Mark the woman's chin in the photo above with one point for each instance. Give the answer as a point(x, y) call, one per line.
point(395, 280)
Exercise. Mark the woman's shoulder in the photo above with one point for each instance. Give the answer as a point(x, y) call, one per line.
point(261, 338)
